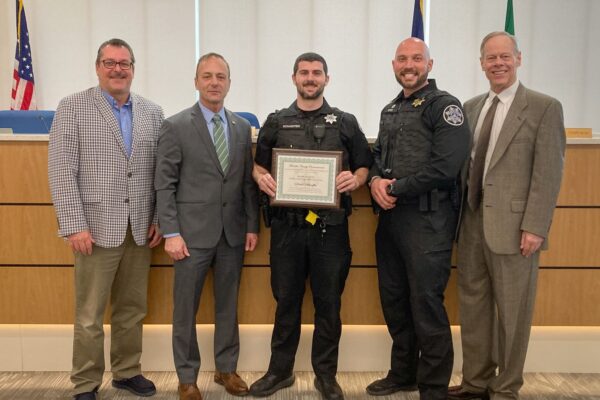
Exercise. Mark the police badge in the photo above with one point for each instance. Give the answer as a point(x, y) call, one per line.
point(417, 102)
point(330, 118)
point(453, 115)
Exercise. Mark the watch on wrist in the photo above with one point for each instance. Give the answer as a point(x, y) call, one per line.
point(389, 189)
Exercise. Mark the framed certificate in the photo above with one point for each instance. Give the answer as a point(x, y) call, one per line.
point(306, 178)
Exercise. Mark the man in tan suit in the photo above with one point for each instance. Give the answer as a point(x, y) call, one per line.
point(513, 181)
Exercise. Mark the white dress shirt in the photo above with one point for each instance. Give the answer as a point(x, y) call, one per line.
point(505, 98)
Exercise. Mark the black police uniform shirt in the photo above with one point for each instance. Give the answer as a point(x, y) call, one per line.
point(423, 142)
point(353, 141)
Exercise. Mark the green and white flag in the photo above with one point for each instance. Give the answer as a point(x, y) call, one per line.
point(509, 24)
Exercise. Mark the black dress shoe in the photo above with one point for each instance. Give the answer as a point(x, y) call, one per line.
point(387, 385)
point(86, 395)
point(459, 393)
point(329, 388)
point(270, 383)
point(137, 385)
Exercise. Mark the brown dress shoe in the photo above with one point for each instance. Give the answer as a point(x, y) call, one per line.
point(456, 388)
point(459, 393)
point(233, 383)
point(189, 391)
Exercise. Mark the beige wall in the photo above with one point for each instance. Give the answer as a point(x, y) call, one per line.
point(261, 39)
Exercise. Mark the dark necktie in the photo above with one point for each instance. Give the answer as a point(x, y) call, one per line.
point(220, 142)
point(476, 171)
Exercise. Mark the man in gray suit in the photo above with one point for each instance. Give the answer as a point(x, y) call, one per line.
point(208, 211)
point(512, 187)
point(101, 160)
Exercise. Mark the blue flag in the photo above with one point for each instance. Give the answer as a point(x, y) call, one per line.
point(417, 27)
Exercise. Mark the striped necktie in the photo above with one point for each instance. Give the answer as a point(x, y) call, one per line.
point(220, 142)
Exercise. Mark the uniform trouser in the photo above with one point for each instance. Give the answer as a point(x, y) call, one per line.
point(496, 294)
point(413, 262)
point(190, 274)
point(121, 273)
point(298, 252)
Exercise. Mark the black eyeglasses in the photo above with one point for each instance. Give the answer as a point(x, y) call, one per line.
point(111, 64)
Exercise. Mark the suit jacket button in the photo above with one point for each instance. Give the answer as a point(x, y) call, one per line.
point(224, 204)
point(129, 175)
point(126, 200)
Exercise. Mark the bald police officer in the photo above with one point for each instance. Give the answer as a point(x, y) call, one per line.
point(422, 144)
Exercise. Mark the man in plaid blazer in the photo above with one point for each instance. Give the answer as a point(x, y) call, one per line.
point(101, 169)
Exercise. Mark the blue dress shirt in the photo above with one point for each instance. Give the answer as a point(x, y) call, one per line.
point(124, 116)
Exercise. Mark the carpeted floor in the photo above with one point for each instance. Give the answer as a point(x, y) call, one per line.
point(56, 385)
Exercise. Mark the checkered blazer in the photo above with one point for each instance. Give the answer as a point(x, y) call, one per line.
point(94, 185)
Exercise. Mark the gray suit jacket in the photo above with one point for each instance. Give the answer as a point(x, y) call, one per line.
point(195, 197)
point(523, 179)
point(94, 185)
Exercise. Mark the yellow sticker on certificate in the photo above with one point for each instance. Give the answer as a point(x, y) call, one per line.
point(306, 178)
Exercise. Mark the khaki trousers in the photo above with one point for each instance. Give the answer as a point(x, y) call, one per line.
point(496, 299)
point(121, 275)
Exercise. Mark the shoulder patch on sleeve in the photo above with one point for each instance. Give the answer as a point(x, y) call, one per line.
point(453, 115)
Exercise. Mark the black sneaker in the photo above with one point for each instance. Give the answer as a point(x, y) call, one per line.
point(137, 385)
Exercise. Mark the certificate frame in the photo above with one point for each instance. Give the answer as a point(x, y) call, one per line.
point(306, 178)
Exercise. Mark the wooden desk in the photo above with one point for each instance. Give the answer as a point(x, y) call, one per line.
point(36, 273)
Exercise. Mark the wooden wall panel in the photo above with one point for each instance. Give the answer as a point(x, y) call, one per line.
point(579, 186)
point(28, 236)
point(36, 276)
point(24, 172)
point(44, 295)
point(256, 302)
point(581, 176)
point(568, 297)
point(260, 255)
point(36, 295)
point(574, 238)
point(362, 197)
point(362, 226)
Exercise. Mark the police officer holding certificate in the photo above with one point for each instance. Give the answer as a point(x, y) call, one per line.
point(309, 242)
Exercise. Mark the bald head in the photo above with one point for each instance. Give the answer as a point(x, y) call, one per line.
point(414, 42)
point(412, 65)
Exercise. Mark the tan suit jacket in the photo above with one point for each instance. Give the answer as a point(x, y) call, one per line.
point(523, 178)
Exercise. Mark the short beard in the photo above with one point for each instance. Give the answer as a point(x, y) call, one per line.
point(306, 96)
point(418, 83)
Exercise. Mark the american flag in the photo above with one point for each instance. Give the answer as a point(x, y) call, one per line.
point(23, 97)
